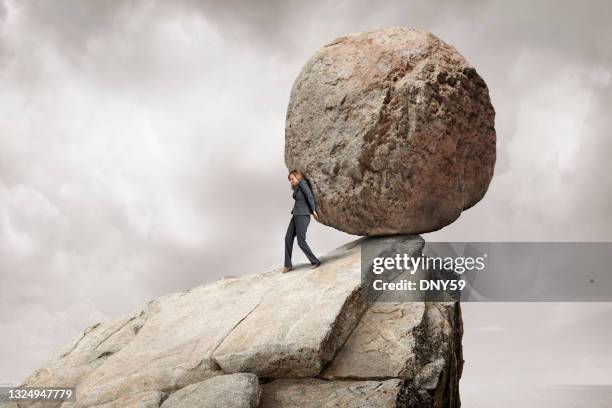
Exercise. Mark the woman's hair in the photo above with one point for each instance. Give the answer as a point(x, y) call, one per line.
point(298, 174)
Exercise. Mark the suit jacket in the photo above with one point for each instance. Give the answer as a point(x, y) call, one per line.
point(304, 200)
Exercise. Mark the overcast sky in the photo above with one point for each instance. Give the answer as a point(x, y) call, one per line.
point(131, 133)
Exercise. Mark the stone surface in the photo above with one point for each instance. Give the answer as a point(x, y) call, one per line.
point(300, 323)
point(394, 130)
point(440, 356)
point(309, 327)
point(316, 393)
point(236, 325)
point(417, 341)
point(146, 399)
point(87, 351)
point(382, 345)
point(228, 391)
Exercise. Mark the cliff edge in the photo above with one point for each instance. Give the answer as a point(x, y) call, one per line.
point(301, 339)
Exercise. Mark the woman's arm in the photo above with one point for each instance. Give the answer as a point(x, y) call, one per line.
point(309, 196)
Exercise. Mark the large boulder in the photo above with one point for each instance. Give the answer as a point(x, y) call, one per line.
point(394, 130)
point(305, 338)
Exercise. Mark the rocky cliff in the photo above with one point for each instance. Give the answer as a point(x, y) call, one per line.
point(301, 339)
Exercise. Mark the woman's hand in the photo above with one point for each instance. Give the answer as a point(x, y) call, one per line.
point(316, 215)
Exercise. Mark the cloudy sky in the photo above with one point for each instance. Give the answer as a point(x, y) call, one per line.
point(131, 131)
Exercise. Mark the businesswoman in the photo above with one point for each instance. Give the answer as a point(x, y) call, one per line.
point(303, 207)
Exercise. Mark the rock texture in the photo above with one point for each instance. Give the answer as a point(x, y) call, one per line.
point(383, 343)
point(228, 391)
point(146, 399)
point(394, 130)
point(305, 338)
point(315, 393)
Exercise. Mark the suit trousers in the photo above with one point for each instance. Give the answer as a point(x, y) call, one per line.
point(297, 227)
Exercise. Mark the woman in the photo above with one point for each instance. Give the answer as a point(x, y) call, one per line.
point(303, 207)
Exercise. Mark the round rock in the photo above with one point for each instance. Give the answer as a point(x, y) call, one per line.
point(395, 131)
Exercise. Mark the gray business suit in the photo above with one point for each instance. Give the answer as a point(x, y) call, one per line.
point(303, 207)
